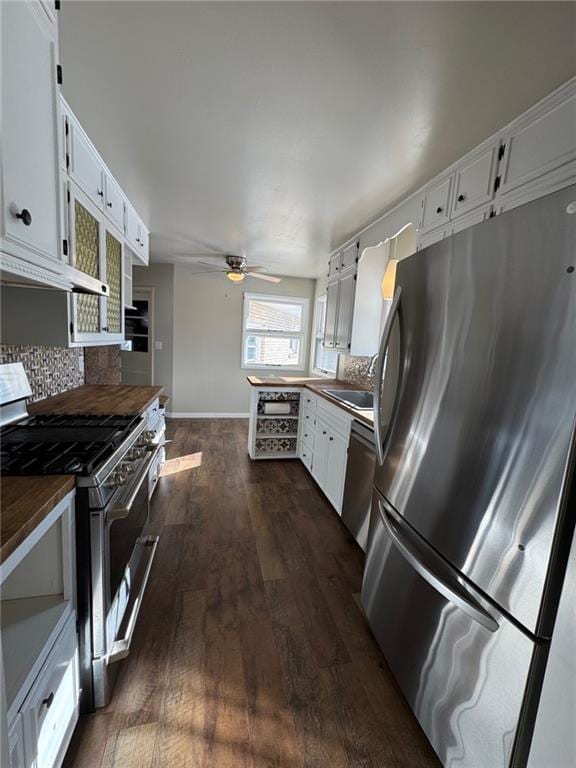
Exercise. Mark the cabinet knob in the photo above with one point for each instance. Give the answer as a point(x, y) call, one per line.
point(323, 432)
point(109, 205)
point(461, 198)
point(439, 209)
point(331, 438)
point(100, 193)
point(25, 217)
point(47, 702)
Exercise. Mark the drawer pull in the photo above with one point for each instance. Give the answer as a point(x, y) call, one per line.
point(461, 198)
point(25, 217)
point(47, 702)
point(439, 209)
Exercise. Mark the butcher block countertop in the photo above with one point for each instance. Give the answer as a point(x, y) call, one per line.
point(318, 385)
point(24, 502)
point(99, 400)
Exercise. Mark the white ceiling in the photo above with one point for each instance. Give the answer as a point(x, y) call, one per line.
point(278, 129)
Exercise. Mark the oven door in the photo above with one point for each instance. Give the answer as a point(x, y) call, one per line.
point(122, 556)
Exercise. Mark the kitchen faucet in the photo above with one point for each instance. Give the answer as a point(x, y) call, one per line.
point(371, 366)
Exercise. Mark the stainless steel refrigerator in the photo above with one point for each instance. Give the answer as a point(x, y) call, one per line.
point(474, 500)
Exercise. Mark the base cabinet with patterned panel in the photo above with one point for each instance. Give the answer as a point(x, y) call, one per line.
point(274, 423)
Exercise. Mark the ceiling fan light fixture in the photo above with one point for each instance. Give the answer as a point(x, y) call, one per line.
point(236, 277)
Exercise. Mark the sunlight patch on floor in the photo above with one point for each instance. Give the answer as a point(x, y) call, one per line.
point(182, 464)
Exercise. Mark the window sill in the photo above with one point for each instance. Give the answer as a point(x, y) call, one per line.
point(279, 369)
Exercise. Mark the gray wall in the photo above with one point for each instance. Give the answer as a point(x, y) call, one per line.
point(161, 278)
point(208, 339)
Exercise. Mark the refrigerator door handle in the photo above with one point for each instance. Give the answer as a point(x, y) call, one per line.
point(379, 370)
point(435, 571)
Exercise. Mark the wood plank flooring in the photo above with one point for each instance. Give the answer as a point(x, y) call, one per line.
point(251, 649)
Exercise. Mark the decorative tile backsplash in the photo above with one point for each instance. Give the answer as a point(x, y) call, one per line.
point(354, 370)
point(50, 370)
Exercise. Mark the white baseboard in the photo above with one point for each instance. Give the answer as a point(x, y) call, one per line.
point(207, 415)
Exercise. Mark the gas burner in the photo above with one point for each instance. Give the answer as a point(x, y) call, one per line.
point(61, 444)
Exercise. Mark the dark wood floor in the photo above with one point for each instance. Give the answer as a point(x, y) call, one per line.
point(251, 650)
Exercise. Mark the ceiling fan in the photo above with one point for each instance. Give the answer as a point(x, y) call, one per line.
point(236, 269)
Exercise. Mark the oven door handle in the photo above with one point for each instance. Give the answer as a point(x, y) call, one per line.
point(122, 509)
point(121, 646)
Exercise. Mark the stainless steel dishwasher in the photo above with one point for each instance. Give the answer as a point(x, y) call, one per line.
point(359, 482)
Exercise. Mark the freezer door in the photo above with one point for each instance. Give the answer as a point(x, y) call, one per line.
point(477, 457)
point(461, 665)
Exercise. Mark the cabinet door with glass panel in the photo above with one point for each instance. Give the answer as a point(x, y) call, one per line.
point(96, 249)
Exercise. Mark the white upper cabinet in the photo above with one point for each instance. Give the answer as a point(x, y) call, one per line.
point(541, 141)
point(334, 265)
point(114, 202)
point(85, 166)
point(436, 204)
point(331, 315)
point(136, 234)
point(346, 292)
point(30, 128)
point(349, 257)
point(474, 181)
point(368, 300)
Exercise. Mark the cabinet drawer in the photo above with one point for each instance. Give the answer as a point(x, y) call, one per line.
point(50, 710)
point(309, 401)
point(114, 200)
point(308, 416)
point(335, 417)
point(436, 207)
point(85, 165)
point(306, 457)
point(307, 435)
point(474, 182)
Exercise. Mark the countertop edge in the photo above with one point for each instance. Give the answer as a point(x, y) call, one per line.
point(57, 487)
point(56, 404)
point(316, 385)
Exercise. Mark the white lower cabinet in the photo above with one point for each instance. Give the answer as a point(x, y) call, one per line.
point(323, 446)
point(336, 468)
point(50, 710)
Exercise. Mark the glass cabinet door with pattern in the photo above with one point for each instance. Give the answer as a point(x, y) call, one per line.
point(114, 276)
point(86, 254)
point(97, 250)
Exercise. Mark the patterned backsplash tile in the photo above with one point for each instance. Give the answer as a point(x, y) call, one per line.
point(50, 370)
point(354, 370)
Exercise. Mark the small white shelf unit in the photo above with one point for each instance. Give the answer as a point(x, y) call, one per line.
point(272, 435)
point(39, 649)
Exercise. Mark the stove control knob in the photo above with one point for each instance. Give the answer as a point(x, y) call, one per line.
point(118, 478)
point(127, 467)
point(136, 453)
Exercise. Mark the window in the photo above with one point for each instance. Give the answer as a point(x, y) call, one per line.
point(274, 331)
point(325, 360)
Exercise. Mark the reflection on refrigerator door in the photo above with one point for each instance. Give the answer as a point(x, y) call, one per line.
point(463, 671)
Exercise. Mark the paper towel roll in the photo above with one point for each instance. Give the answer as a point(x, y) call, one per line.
point(276, 409)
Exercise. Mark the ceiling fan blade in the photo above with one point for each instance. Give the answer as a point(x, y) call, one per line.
point(209, 272)
point(255, 268)
point(269, 278)
point(217, 267)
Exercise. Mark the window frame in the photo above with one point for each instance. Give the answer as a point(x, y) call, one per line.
point(302, 334)
point(318, 336)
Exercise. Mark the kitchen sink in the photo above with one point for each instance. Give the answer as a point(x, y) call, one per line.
point(357, 398)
